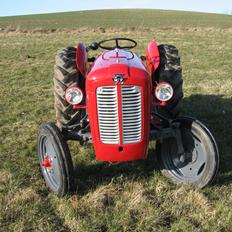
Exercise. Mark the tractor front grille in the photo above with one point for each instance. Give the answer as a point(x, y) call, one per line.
point(131, 114)
point(108, 114)
point(107, 103)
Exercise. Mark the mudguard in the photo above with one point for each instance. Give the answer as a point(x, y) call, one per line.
point(81, 58)
point(152, 56)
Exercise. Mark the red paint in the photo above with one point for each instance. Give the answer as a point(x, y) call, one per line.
point(102, 72)
point(162, 103)
point(118, 54)
point(79, 107)
point(109, 59)
point(81, 58)
point(152, 56)
point(47, 163)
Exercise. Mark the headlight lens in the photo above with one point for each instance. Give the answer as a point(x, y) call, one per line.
point(73, 95)
point(163, 91)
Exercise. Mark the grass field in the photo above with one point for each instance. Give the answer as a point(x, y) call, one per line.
point(115, 19)
point(111, 197)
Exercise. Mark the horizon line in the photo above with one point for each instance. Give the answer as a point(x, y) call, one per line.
point(72, 11)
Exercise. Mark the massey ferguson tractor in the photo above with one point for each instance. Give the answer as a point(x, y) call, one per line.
point(120, 102)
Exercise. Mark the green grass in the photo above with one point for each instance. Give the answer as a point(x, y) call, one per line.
point(116, 19)
point(111, 197)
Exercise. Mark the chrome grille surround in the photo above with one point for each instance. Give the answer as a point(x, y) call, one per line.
point(107, 105)
point(131, 114)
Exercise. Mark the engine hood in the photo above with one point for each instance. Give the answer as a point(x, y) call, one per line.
point(109, 100)
point(117, 61)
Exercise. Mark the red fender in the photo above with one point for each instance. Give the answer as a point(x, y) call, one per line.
point(152, 56)
point(81, 58)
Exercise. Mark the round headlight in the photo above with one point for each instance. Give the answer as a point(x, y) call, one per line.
point(163, 91)
point(73, 95)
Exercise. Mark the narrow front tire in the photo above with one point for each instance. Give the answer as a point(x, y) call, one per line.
point(55, 159)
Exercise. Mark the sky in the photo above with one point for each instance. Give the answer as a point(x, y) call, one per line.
point(20, 7)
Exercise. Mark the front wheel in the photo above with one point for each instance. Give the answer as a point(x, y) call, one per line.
point(199, 163)
point(55, 159)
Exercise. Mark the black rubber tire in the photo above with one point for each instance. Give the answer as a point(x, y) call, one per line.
point(64, 165)
point(170, 71)
point(167, 150)
point(66, 74)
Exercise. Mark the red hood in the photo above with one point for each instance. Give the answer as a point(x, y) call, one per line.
point(117, 61)
point(103, 73)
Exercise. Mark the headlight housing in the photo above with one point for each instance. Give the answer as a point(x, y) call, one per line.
point(164, 91)
point(73, 95)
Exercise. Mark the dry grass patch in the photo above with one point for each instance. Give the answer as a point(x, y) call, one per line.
point(101, 198)
point(5, 178)
point(25, 196)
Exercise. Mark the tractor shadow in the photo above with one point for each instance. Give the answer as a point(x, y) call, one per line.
point(89, 177)
point(214, 111)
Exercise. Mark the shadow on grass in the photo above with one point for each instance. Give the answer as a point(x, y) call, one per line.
point(214, 111)
point(89, 177)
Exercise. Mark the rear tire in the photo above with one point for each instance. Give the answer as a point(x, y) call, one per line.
point(66, 74)
point(54, 151)
point(170, 71)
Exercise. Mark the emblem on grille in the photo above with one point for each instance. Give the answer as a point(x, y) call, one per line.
point(119, 78)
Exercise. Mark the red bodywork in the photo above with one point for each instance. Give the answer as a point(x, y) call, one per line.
point(135, 73)
point(152, 56)
point(81, 58)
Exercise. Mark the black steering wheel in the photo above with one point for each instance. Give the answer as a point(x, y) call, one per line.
point(133, 45)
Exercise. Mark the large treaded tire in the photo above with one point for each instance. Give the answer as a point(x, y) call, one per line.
point(66, 74)
point(170, 71)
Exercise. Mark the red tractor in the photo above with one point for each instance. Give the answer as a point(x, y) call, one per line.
point(120, 102)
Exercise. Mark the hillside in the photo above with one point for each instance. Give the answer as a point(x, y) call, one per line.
point(117, 19)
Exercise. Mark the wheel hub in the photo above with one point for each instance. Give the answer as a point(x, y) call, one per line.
point(47, 162)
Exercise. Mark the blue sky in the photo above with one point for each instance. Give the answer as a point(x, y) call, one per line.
point(18, 7)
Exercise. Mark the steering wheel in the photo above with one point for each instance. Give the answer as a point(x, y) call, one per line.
point(133, 45)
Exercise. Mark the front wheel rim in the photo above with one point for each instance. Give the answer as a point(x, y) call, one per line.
point(190, 166)
point(51, 172)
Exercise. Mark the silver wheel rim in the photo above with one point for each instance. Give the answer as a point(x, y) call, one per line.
point(51, 174)
point(188, 167)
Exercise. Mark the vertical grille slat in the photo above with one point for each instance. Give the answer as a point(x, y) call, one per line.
point(107, 102)
point(131, 114)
